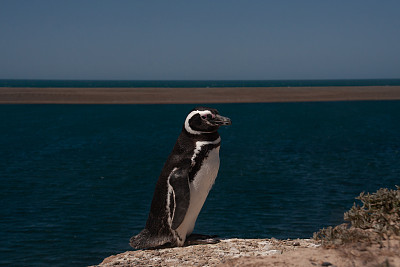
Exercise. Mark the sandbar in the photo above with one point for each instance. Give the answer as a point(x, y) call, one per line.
point(27, 95)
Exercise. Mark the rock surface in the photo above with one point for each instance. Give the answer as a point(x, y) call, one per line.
point(262, 252)
point(207, 255)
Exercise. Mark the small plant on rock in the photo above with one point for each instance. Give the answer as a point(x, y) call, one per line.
point(377, 219)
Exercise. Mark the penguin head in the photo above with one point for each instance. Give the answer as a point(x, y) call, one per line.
point(203, 120)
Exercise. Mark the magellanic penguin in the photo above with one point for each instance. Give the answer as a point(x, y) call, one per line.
point(185, 180)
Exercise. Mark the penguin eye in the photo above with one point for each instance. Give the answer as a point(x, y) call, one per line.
point(204, 117)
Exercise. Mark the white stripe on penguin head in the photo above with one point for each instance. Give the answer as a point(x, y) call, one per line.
point(191, 114)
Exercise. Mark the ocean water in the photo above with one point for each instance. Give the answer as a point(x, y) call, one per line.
point(200, 83)
point(77, 180)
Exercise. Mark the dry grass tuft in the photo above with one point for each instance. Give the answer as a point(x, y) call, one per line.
point(378, 219)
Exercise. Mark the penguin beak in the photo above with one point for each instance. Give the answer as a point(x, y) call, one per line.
point(221, 120)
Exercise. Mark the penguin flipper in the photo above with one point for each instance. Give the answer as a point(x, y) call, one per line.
point(179, 180)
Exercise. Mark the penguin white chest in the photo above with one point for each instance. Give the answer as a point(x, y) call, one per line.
point(205, 177)
point(199, 189)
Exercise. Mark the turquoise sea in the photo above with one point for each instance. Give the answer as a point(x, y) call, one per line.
point(77, 180)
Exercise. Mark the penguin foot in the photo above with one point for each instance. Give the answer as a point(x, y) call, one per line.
point(198, 239)
point(166, 245)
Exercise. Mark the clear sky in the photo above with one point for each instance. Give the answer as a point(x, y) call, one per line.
point(200, 40)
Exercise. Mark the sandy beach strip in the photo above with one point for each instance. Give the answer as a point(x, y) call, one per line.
point(17, 95)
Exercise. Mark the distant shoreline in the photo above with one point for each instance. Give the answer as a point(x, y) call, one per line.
point(61, 95)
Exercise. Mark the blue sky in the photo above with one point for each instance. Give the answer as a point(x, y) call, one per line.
point(201, 40)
